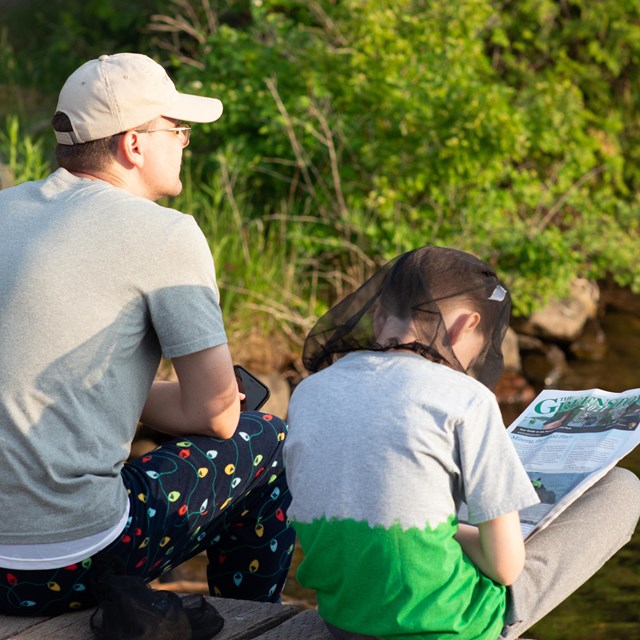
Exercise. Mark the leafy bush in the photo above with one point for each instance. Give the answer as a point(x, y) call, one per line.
point(386, 126)
point(357, 129)
point(51, 38)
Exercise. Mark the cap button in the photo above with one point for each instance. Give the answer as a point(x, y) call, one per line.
point(103, 57)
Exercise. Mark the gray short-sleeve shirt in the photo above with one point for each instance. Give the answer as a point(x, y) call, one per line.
point(96, 284)
point(382, 448)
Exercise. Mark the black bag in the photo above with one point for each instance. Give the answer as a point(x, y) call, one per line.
point(128, 609)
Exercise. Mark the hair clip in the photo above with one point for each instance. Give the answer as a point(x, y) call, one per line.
point(498, 294)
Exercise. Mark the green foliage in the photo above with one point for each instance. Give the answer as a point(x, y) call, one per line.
point(258, 264)
point(357, 129)
point(21, 156)
point(494, 127)
point(592, 46)
point(51, 38)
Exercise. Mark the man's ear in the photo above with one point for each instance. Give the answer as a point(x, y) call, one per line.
point(130, 149)
point(465, 322)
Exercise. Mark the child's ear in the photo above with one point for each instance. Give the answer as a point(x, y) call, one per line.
point(464, 323)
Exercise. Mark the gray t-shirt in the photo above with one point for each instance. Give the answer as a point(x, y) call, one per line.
point(96, 284)
point(381, 450)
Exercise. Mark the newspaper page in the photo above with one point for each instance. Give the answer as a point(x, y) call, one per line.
point(567, 440)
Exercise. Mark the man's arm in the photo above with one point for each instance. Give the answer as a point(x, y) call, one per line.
point(496, 547)
point(204, 401)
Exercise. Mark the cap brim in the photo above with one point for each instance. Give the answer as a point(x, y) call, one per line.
point(192, 108)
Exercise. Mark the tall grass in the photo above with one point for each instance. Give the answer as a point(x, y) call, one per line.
point(269, 283)
point(22, 158)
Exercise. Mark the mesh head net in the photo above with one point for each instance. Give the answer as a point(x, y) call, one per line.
point(418, 289)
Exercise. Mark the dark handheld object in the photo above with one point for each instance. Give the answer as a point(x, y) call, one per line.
point(255, 391)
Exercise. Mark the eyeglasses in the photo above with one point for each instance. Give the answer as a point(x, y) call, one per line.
point(183, 131)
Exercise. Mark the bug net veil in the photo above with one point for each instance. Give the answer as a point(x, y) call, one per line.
point(418, 288)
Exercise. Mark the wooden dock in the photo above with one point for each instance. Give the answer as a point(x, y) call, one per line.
point(243, 621)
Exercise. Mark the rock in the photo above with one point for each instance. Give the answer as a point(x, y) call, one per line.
point(564, 320)
point(514, 389)
point(529, 343)
point(511, 351)
point(542, 363)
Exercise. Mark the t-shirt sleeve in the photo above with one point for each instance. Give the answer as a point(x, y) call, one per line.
point(184, 304)
point(493, 477)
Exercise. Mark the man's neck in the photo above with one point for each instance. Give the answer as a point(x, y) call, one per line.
point(82, 174)
point(113, 178)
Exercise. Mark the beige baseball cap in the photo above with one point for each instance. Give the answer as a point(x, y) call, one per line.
point(122, 91)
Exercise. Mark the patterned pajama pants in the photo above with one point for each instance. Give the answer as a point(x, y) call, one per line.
point(192, 494)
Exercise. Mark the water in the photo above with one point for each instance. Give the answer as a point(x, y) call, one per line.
point(607, 607)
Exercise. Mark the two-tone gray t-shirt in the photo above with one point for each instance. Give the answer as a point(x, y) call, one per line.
point(95, 285)
point(382, 448)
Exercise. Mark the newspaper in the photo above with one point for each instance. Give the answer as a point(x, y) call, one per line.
point(567, 440)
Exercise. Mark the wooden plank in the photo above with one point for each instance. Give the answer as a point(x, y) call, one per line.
point(243, 620)
point(70, 626)
point(308, 625)
point(10, 625)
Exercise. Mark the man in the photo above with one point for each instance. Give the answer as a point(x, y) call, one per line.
point(97, 282)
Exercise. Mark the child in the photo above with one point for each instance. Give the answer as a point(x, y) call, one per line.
point(387, 441)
